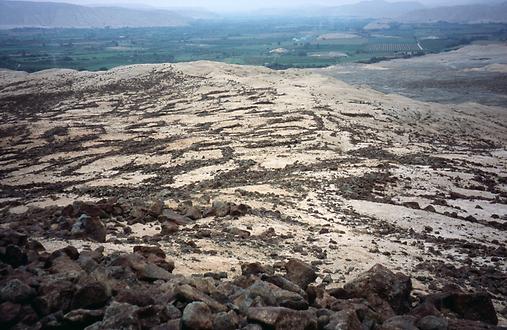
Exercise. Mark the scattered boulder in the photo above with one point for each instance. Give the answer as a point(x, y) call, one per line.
point(282, 318)
point(171, 216)
point(81, 318)
point(193, 213)
point(400, 322)
point(156, 208)
point(412, 205)
point(471, 306)
point(9, 313)
point(147, 250)
point(226, 321)
point(197, 316)
point(91, 227)
point(254, 268)
point(238, 210)
point(16, 291)
point(300, 273)
point(346, 319)
point(119, 316)
point(432, 322)
point(169, 228)
point(90, 296)
point(380, 281)
point(220, 209)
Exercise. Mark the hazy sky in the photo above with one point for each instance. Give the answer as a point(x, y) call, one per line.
point(233, 5)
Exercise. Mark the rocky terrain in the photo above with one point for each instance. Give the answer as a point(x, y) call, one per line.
point(161, 195)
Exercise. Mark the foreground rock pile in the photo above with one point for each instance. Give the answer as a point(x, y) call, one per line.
point(113, 217)
point(71, 289)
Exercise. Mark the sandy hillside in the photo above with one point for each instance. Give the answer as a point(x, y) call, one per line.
point(340, 176)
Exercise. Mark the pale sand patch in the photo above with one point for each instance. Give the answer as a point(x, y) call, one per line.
point(108, 163)
point(416, 219)
point(121, 179)
point(201, 174)
point(75, 154)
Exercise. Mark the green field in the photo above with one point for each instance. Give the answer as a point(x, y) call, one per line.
point(276, 43)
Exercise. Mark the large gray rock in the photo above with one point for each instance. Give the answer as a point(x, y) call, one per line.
point(197, 316)
point(118, 316)
point(226, 321)
point(432, 322)
point(400, 322)
point(188, 293)
point(91, 227)
point(344, 320)
point(281, 318)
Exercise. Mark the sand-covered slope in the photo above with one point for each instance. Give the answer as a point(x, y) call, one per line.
point(340, 176)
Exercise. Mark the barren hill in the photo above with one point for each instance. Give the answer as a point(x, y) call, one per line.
point(302, 165)
point(63, 15)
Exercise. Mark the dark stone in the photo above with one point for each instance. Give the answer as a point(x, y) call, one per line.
point(380, 281)
point(119, 316)
point(156, 208)
point(134, 297)
point(400, 322)
point(226, 321)
point(300, 273)
point(193, 213)
point(16, 291)
point(471, 306)
point(91, 227)
point(254, 268)
point(169, 325)
point(147, 250)
point(197, 316)
point(81, 318)
point(220, 209)
point(455, 324)
point(169, 228)
point(54, 295)
point(431, 322)
point(90, 296)
point(282, 318)
point(412, 205)
point(14, 256)
point(188, 293)
point(171, 216)
point(90, 209)
point(238, 210)
point(9, 313)
point(345, 319)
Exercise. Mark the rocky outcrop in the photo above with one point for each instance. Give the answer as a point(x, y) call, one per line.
point(87, 289)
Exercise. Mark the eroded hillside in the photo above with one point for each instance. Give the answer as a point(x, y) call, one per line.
point(338, 176)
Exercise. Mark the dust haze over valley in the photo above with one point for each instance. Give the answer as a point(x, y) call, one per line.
point(267, 165)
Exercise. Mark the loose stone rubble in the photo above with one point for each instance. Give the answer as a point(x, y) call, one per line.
point(71, 289)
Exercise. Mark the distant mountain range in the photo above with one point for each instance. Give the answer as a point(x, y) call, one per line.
point(52, 14)
point(459, 14)
point(404, 11)
point(362, 9)
point(375, 9)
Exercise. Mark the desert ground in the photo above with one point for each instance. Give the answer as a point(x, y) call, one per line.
point(474, 73)
point(342, 177)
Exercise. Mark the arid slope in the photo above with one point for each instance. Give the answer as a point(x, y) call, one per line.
point(346, 177)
